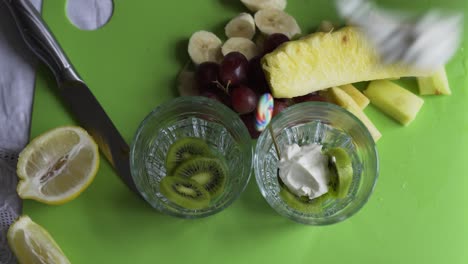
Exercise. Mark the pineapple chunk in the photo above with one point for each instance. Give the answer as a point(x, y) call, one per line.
point(394, 100)
point(345, 101)
point(435, 84)
point(323, 60)
point(361, 100)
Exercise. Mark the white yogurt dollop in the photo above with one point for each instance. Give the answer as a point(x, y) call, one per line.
point(304, 170)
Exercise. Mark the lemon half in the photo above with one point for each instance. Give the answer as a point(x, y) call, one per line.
point(57, 166)
point(32, 244)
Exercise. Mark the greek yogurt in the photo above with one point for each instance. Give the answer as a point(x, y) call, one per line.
point(304, 170)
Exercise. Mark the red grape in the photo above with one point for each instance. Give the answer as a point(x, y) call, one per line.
point(273, 41)
point(233, 69)
point(244, 100)
point(256, 76)
point(249, 122)
point(279, 106)
point(206, 75)
point(312, 97)
point(217, 94)
point(211, 95)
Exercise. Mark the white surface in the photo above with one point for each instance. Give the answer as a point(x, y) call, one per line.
point(304, 170)
point(89, 14)
point(17, 78)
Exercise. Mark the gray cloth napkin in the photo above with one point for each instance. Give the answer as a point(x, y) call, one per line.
point(17, 78)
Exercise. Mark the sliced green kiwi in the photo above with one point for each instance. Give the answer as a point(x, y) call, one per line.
point(184, 192)
point(302, 203)
point(341, 169)
point(211, 173)
point(184, 149)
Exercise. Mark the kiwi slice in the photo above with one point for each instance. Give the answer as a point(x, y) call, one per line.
point(184, 149)
point(302, 203)
point(211, 173)
point(184, 192)
point(341, 169)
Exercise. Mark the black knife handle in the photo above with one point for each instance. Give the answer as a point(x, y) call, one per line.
point(40, 40)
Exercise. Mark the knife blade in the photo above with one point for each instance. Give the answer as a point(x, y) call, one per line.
point(74, 93)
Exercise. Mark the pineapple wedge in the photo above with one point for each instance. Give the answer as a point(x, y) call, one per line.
point(361, 100)
point(344, 100)
point(323, 60)
point(435, 84)
point(394, 100)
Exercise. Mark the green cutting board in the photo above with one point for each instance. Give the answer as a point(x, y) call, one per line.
point(417, 213)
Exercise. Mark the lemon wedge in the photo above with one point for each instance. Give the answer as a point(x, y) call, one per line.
point(32, 244)
point(57, 166)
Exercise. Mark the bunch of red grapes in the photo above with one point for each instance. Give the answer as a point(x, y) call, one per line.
point(238, 83)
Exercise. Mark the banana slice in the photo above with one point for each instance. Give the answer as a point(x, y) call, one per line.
point(255, 5)
point(242, 26)
point(270, 21)
point(186, 83)
point(204, 46)
point(242, 45)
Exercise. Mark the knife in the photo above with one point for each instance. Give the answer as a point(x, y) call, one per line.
point(72, 89)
